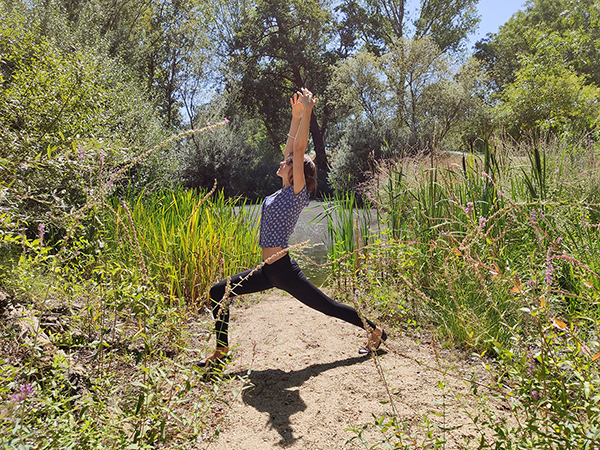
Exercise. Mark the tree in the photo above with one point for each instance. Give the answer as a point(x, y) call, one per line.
point(447, 23)
point(405, 101)
point(548, 94)
point(275, 48)
point(239, 157)
point(412, 87)
point(176, 56)
point(164, 42)
point(576, 22)
point(68, 118)
point(544, 68)
point(377, 24)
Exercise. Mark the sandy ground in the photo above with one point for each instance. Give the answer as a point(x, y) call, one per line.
point(308, 385)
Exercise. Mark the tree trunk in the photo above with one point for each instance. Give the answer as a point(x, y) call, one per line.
point(320, 157)
point(319, 144)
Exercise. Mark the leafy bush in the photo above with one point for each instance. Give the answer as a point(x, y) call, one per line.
point(353, 160)
point(67, 120)
point(241, 158)
point(93, 357)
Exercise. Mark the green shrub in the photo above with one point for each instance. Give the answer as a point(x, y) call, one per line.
point(68, 120)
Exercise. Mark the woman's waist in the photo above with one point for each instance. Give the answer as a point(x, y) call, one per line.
point(272, 254)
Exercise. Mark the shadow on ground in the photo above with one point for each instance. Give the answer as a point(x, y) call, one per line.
point(273, 391)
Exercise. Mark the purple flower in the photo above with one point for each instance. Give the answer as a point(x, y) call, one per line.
point(24, 392)
point(482, 222)
point(533, 217)
point(549, 273)
point(226, 120)
point(209, 127)
point(531, 368)
point(79, 151)
point(535, 394)
point(469, 208)
point(41, 232)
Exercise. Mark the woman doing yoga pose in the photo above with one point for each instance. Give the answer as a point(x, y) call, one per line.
point(279, 214)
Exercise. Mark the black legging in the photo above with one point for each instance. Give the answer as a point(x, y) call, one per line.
point(283, 274)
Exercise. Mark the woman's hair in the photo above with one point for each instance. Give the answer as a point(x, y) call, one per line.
point(310, 175)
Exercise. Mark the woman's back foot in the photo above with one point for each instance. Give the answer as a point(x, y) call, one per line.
point(216, 360)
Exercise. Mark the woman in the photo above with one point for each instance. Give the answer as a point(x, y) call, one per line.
point(279, 214)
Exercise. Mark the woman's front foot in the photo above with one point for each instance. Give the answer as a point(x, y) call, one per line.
point(377, 336)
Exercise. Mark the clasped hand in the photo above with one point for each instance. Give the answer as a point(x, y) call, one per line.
point(300, 100)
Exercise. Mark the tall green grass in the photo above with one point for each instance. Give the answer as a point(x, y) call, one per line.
point(465, 223)
point(98, 358)
point(114, 368)
point(187, 239)
point(501, 257)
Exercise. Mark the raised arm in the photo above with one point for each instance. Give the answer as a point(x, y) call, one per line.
point(301, 140)
point(297, 109)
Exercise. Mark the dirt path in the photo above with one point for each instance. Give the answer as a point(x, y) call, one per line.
point(308, 383)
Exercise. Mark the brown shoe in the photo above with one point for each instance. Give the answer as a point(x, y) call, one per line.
point(376, 339)
point(218, 359)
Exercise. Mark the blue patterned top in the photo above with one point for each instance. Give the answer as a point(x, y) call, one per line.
point(279, 215)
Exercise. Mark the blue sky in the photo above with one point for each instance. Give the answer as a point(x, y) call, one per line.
point(493, 14)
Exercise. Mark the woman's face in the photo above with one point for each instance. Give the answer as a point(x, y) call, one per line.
point(285, 168)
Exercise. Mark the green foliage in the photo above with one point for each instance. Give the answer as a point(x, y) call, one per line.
point(553, 383)
point(543, 68)
point(279, 47)
point(164, 45)
point(447, 23)
point(240, 158)
point(67, 120)
point(51, 98)
point(353, 162)
point(547, 95)
point(408, 98)
point(507, 273)
point(347, 228)
point(185, 240)
point(376, 24)
point(272, 49)
point(391, 198)
point(97, 357)
point(397, 434)
point(457, 213)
